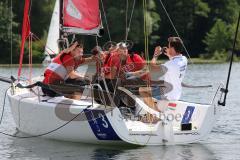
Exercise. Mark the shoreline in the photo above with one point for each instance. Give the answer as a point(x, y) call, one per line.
point(17, 65)
point(194, 60)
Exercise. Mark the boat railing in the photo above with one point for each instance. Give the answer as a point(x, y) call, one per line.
point(221, 85)
point(101, 93)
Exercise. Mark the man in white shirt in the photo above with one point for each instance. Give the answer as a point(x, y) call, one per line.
point(172, 73)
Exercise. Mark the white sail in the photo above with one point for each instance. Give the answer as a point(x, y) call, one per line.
point(53, 33)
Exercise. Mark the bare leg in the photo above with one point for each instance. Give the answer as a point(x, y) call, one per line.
point(75, 95)
point(146, 94)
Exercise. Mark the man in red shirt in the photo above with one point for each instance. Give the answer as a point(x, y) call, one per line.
point(117, 63)
point(63, 67)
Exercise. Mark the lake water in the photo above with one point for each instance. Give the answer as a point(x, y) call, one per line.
point(223, 142)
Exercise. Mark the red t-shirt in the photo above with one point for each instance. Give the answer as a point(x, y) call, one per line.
point(132, 64)
point(67, 61)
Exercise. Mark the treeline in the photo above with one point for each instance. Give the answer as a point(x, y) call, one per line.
point(206, 26)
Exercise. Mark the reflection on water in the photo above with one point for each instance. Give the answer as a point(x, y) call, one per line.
point(56, 150)
point(222, 143)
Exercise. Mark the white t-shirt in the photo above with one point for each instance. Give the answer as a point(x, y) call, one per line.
point(176, 68)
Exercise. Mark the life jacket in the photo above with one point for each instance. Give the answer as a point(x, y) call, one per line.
point(106, 67)
point(133, 63)
point(109, 55)
point(56, 70)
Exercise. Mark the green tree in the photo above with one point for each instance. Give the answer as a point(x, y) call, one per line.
point(40, 15)
point(222, 9)
point(219, 40)
point(5, 34)
point(187, 16)
point(197, 21)
point(116, 18)
point(222, 23)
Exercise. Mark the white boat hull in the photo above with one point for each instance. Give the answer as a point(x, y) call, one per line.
point(36, 118)
point(83, 121)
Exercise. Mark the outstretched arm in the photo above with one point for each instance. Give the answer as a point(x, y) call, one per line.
point(89, 59)
point(74, 75)
point(138, 73)
point(157, 53)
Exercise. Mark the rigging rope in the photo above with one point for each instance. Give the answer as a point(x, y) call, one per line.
point(126, 19)
point(105, 17)
point(146, 33)
point(130, 20)
point(35, 37)
point(146, 41)
point(30, 57)
point(111, 98)
point(128, 25)
point(150, 118)
point(119, 69)
point(165, 10)
point(11, 36)
point(30, 9)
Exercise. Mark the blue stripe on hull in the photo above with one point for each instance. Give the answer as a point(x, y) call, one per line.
point(188, 114)
point(100, 125)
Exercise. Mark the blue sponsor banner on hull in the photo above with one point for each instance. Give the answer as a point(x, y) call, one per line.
point(100, 125)
point(188, 114)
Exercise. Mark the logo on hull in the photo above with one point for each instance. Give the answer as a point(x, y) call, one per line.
point(188, 114)
point(100, 125)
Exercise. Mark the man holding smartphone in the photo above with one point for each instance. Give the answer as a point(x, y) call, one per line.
point(171, 72)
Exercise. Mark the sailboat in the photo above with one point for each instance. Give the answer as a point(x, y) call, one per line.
point(51, 47)
point(86, 120)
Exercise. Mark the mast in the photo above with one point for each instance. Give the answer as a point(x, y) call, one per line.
point(63, 39)
point(25, 34)
point(60, 17)
point(225, 90)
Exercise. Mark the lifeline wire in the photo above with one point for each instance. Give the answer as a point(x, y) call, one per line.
point(4, 103)
point(34, 136)
point(43, 134)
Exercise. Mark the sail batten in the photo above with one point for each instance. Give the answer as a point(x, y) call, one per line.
point(81, 31)
point(81, 17)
